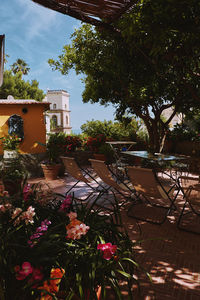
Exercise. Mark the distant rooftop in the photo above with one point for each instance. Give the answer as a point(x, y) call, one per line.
point(22, 101)
point(53, 91)
point(11, 100)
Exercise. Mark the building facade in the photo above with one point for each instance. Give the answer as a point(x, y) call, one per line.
point(58, 117)
point(30, 113)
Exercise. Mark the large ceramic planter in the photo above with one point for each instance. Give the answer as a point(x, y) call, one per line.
point(51, 171)
point(10, 154)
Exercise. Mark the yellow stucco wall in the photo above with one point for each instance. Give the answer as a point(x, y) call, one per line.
point(34, 125)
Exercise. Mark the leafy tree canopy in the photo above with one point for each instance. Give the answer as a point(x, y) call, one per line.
point(133, 130)
point(14, 85)
point(152, 64)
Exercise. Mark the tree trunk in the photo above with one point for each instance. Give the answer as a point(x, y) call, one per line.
point(157, 135)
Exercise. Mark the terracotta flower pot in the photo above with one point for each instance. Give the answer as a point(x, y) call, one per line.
point(51, 171)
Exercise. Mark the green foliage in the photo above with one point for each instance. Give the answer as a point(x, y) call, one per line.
point(64, 142)
point(36, 237)
point(189, 129)
point(13, 170)
point(184, 132)
point(20, 66)
point(113, 130)
point(152, 64)
point(14, 85)
point(58, 144)
point(11, 142)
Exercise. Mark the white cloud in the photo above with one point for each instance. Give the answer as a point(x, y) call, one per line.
point(37, 19)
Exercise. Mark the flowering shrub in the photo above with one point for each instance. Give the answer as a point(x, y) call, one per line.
point(71, 143)
point(52, 244)
point(94, 143)
point(11, 142)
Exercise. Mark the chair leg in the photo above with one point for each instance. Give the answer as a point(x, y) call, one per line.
point(72, 187)
point(181, 217)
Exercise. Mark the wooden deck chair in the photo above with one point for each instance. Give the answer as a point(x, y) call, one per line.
point(158, 199)
point(189, 217)
point(125, 189)
point(81, 175)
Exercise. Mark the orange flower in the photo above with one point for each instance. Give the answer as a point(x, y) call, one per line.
point(45, 287)
point(73, 223)
point(51, 286)
point(56, 275)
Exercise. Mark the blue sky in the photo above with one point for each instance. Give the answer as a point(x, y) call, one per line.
point(35, 34)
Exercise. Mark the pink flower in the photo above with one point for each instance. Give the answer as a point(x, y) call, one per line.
point(25, 270)
point(39, 232)
point(2, 208)
point(28, 215)
point(77, 231)
point(107, 249)
point(66, 203)
point(16, 213)
point(5, 207)
point(27, 191)
point(37, 275)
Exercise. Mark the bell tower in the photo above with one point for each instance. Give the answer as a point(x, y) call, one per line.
point(58, 117)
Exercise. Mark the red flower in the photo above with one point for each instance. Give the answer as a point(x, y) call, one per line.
point(107, 249)
point(25, 270)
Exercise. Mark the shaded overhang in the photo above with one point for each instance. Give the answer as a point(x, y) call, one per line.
point(96, 12)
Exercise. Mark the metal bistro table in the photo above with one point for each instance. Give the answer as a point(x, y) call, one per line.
point(159, 160)
point(119, 146)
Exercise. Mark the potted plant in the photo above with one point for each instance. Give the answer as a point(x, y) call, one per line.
point(107, 152)
point(10, 145)
point(94, 145)
point(12, 174)
point(52, 164)
point(53, 247)
point(71, 144)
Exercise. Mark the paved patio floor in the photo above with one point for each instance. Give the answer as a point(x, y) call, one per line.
point(170, 255)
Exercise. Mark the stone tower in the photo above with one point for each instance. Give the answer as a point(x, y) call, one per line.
point(58, 117)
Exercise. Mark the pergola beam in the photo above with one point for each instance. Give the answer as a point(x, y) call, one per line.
point(99, 13)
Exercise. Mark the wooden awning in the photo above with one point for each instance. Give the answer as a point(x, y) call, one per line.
point(95, 12)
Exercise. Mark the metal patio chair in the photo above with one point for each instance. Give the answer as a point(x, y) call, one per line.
point(81, 176)
point(125, 189)
point(190, 187)
point(155, 198)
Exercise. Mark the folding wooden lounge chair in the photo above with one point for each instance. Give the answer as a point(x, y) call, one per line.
point(157, 199)
point(81, 175)
point(108, 177)
point(189, 218)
